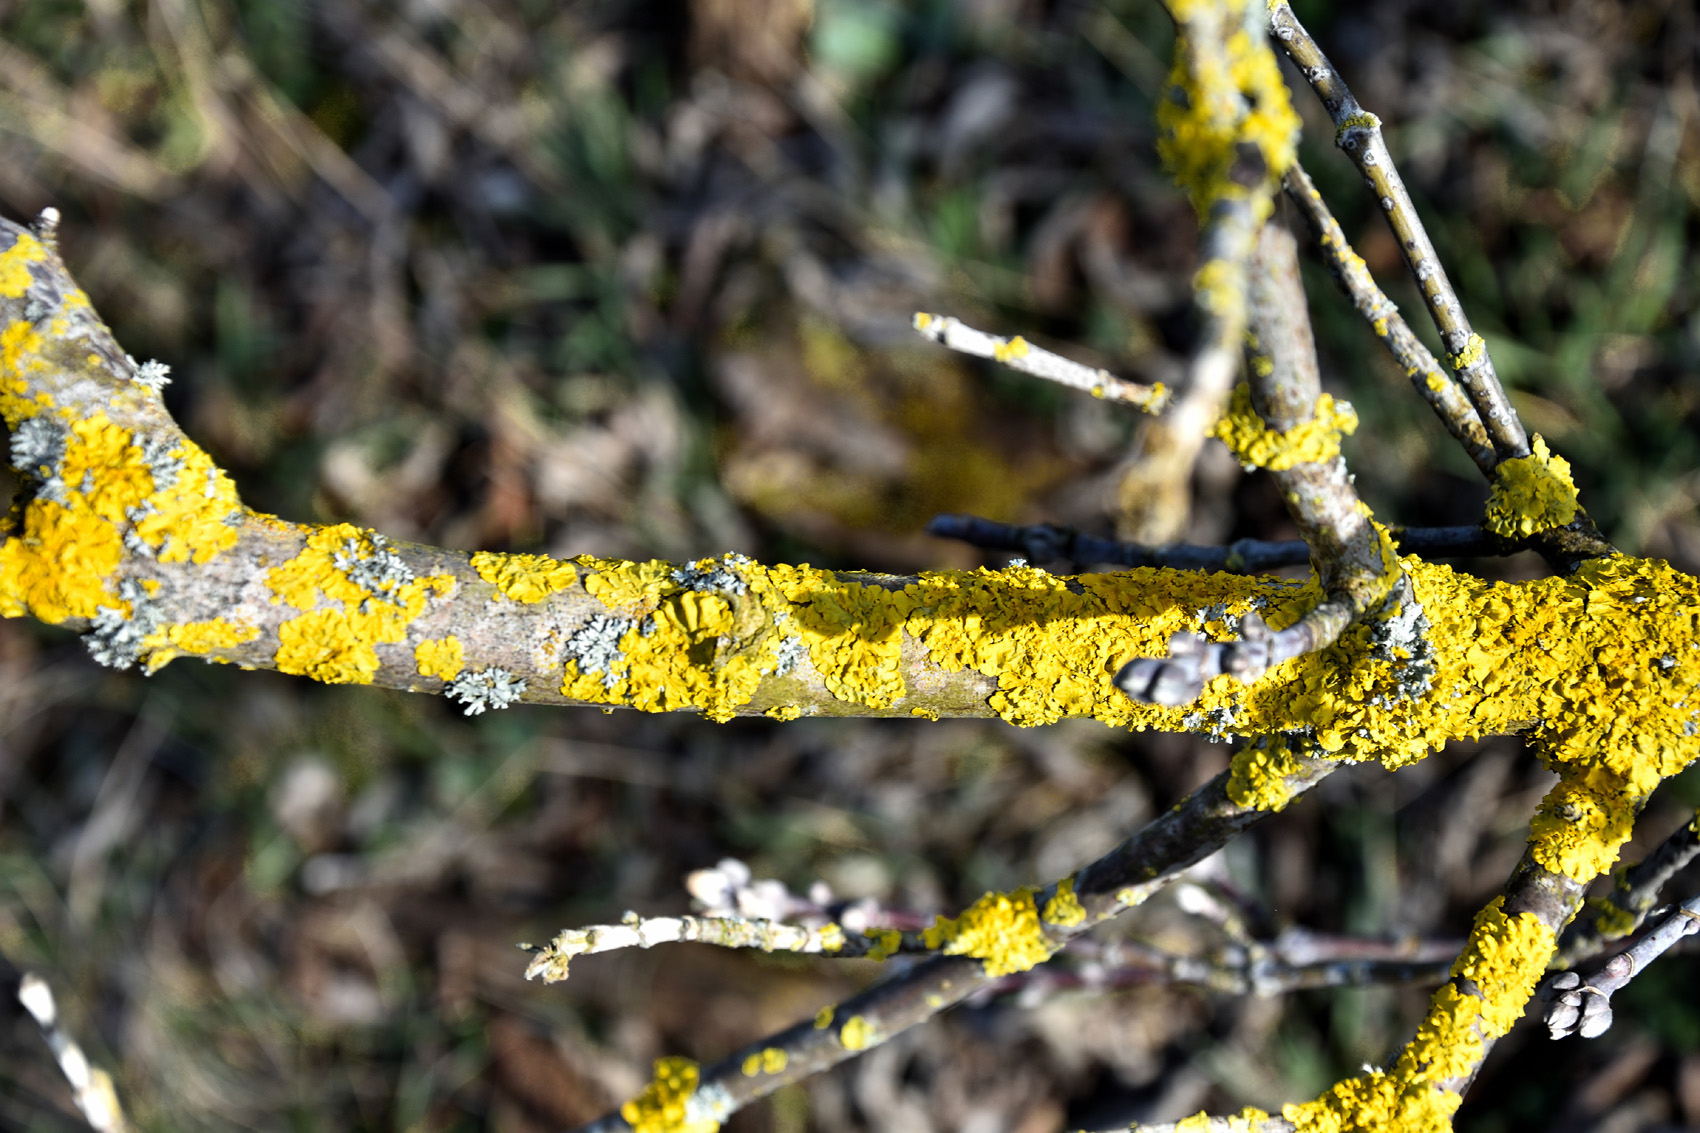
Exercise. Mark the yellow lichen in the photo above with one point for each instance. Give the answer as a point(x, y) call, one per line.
point(823, 1018)
point(1011, 350)
point(524, 578)
point(204, 637)
point(888, 941)
point(1474, 351)
point(1531, 493)
point(1611, 920)
point(771, 1060)
point(15, 277)
point(1255, 444)
point(1259, 776)
point(831, 937)
point(1503, 961)
point(1064, 909)
point(858, 1034)
point(665, 1104)
point(342, 621)
point(439, 657)
point(1001, 930)
point(618, 584)
point(1223, 99)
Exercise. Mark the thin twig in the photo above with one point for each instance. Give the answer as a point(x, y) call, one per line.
point(96, 1098)
point(1432, 384)
point(1623, 910)
point(1122, 879)
point(1022, 356)
point(1358, 133)
point(1583, 1006)
point(1050, 543)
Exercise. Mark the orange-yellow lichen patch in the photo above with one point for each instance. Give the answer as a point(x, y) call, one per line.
point(620, 584)
point(1001, 930)
point(770, 1060)
point(886, 943)
point(1225, 98)
point(1261, 773)
point(439, 657)
point(853, 631)
point(58, 565)
point(191, 519)
point(524, 578)
point(204, 637)
point(1503, 960)
point(336, 643)
point(15, 277)
point(1256, 444)
point(666, 1104)
point(858, 1033)
point(1531, 493)
point(1064, 909)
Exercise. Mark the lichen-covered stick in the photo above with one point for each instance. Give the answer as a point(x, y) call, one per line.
point(1228, 134)
point(1023, 357)
point(1047, 543)
point(1358, 133)
point(1283, 421)
point(1583, 1006)
point(1432, 384)
point(1000, 934)
point(1622, 911)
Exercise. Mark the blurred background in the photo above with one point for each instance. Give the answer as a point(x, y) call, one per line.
point(635, 279)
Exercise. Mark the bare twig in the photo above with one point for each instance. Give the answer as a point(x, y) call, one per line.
point(1583, 1006)
point(1022, 356)
point(96, 1098)
point(1121, 880)
point(1358, 133)
point(1432, 384)
point(1622, 911)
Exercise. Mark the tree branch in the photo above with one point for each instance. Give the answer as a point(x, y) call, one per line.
point(1432, 384)
point(1358, 133)
point(974, 959)
point(1631, 900)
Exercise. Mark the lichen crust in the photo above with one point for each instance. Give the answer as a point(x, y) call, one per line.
point(441, 657)
point(1256, 445)
point(1531, 493)
point(342, 620)
point(1001, 930)
point(665, 1105)
point(524, 578)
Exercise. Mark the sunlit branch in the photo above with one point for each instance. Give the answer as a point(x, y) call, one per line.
point(1582, 1005)
point(1622, 911)
point(1122, 879)
point(1024, 357)
point(1358, 133)
point(1432, 384)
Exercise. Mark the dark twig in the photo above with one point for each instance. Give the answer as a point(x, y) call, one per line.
point(1631, 900)
point(1432, 384)
point(1050, 543)
point(1583, 1006)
